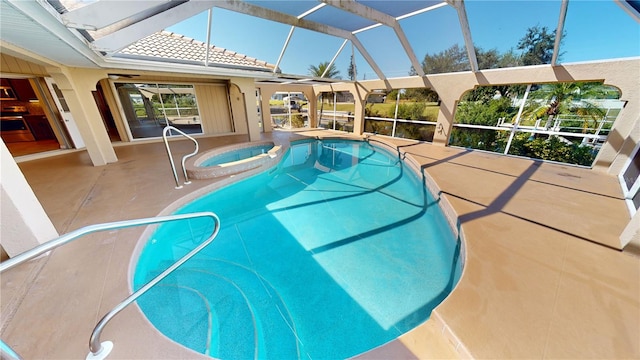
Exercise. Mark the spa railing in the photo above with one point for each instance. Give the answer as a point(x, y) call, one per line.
point(184, 158)
point(97, 349)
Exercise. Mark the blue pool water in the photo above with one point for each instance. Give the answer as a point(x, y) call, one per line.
point(335, 251)
point(236, 155)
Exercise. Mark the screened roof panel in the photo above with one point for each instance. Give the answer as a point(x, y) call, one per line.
point(96, 30)
point(398, 8)
point(421, 31)
point(294, 8)
point(340, 19)
point(397, 65)
point(599, 41)
point(245, 40)
point(501, 25)
point(301, 52)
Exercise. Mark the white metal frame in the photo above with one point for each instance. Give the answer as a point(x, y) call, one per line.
point(629, 193)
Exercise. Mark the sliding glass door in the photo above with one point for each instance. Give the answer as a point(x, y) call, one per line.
point(150, 107)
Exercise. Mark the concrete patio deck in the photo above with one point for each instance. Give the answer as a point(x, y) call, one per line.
point(543, 277)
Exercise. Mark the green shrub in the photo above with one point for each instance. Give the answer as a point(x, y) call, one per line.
point(551, 148)
point(481, 139)
point(415, 131)
point(297, 121)
point(478, 113)
point(378, 127)
point(411, 111)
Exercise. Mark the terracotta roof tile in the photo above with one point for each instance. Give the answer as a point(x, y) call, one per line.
point(168, 45)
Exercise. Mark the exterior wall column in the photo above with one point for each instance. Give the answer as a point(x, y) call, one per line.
point(449, 91)
point(267, 91)
point(626, 130)
point(265, 107)
point(24, 223)
point(312, 109)
point(445, 121)
point(77, 86)
point(248, 90)
point(358, 113)
point(359, 93)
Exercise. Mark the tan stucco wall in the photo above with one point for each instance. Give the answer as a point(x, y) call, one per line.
point(623, 74)
point(267, 91)
point(77, 85)
point(240, 114)
point(25, 225)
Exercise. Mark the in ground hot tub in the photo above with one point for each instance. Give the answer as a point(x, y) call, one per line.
point(232, 159)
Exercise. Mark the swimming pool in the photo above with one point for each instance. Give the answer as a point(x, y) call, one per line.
point(336, 250)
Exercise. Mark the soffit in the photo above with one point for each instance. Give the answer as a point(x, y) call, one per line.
point(22, 31)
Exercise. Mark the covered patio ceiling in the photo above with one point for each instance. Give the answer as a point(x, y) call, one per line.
point(95, 31)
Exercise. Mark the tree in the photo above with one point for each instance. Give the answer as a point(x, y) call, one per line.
point(421, 94)
point(450, 60)
point(487, 59)
point(549, 100)
point(352, 71)
point(537, 44)
point(317, 71)
point(509, 59)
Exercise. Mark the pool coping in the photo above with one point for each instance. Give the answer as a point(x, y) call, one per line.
point(452, 218)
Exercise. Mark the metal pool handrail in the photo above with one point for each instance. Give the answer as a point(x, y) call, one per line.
point(184, 158)
point(101, 350)
point(6, 352)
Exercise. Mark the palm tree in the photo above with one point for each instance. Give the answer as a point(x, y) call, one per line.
point(318, 71)
point(332, 72)
point(565, 98)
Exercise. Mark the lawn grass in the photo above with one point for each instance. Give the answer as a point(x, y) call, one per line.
point(386, 109)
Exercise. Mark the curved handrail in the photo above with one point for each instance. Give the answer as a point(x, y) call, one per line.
point(184, 158)
point(96, 348)
point(6, 352)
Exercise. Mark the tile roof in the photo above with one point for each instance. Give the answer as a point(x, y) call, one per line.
point(168, 45)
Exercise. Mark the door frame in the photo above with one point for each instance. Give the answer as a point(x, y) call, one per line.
point(65, 113)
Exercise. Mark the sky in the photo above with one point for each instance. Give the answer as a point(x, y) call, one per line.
point(594, 30)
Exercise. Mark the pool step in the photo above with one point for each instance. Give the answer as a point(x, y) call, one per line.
point(277, 337)
point(204, 313)
point(248, 318)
